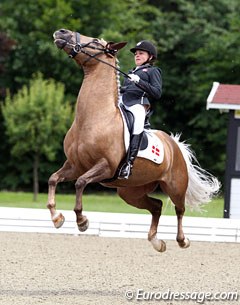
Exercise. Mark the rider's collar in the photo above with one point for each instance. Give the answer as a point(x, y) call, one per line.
point(141, 67)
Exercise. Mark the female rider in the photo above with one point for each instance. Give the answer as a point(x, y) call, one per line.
point(142, 87)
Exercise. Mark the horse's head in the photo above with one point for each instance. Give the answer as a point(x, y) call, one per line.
point(87, 47)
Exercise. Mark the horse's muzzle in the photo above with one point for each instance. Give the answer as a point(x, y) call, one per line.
point(59, 40)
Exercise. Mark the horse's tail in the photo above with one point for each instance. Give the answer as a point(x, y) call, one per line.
point(202, 186)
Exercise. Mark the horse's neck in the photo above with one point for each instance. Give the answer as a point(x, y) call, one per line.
point(99, 92)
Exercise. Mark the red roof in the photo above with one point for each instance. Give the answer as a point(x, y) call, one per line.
point(224, 97)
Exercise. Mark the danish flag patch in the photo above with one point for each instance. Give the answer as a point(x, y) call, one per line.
point(155, 151)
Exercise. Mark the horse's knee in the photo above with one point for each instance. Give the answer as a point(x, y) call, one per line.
point(55, 179)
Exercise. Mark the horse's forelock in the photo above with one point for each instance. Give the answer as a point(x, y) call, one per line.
point(104, 42)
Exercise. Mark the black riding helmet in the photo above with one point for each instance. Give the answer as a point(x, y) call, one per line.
point(147, 46)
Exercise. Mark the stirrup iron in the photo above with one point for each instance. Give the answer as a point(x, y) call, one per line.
point(125, 171)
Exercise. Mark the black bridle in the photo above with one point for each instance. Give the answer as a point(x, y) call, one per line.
point(80, 48)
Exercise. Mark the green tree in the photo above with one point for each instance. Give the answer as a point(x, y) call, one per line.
point(197, 46)
point(36, 119)
point(31, 23)
point(198, 43)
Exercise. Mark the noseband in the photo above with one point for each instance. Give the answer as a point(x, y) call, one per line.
point(80, 47)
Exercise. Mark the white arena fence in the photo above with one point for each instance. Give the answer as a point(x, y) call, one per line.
point(120, 225)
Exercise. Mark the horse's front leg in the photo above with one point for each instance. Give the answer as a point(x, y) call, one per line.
point(97, 173)
point(66, 173)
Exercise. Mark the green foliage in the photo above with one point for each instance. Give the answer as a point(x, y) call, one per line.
point(197, 44)
point(132, 26)
point(36, 119)
point(31, 25)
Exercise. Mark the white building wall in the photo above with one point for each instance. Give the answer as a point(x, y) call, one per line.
point(235, 198)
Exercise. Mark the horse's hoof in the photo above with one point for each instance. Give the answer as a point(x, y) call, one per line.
point(82, 226)
point(58, 220)
point(158, 245)
point(184, 244)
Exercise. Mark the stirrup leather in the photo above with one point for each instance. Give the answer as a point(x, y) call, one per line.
point(125, 170)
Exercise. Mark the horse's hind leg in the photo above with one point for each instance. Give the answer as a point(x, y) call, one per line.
point(179, 201)
point(182, 241)
point(66, 173)
point(137, 196)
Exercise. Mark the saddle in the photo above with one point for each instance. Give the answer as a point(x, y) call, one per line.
point(151, 147)
point(129, 119)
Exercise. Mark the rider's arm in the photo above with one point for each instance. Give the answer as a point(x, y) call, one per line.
point(153, 87)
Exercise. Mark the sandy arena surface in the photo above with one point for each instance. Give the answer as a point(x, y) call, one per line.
point(72, 270)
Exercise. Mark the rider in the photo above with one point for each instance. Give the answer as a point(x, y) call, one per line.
point(142, 86)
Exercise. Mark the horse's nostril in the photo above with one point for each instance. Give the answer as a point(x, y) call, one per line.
point(62, 31)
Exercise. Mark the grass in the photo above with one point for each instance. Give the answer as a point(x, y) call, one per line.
point(102, 202)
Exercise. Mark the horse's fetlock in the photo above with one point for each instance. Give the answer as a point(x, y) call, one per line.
point(51, 205)
point(152, 235)
point(78, 211)
point(180, 240)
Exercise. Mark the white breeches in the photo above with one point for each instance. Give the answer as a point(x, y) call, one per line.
point(139, 114)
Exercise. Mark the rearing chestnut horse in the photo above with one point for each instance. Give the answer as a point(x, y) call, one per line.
point(94, 146)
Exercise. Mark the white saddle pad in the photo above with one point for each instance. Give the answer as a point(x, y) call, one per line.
point(154, 151)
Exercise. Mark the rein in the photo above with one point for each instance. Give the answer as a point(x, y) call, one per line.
point(79, 47)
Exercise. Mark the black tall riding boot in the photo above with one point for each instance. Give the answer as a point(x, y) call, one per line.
point(135, 143)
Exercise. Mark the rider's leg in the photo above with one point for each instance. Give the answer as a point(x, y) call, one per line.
point(139, 113)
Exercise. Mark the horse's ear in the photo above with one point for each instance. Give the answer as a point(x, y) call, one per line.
point(112, 46)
